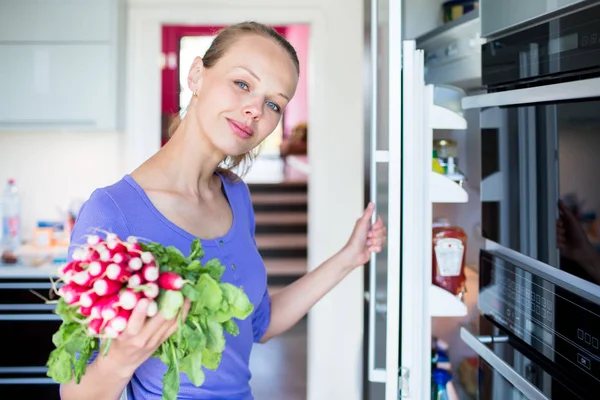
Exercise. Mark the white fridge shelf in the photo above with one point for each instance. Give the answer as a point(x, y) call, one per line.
point(445, 190)
point(443, 304)
point(444, 118)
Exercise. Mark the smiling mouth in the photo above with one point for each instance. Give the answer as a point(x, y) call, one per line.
point(241, 130)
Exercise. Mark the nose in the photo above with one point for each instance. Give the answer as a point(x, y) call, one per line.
point(253, 108)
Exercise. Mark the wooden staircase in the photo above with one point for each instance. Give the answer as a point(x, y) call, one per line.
point(281, 228)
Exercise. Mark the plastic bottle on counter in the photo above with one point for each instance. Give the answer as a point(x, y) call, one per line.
point(448, 258)
point(11, 217)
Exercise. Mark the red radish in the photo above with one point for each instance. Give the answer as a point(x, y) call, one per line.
point(97, 268)
point(170, 281)
point(71, 293)
point(93, 240)
point(132, 239)
point(150, 272)
point(82, 278)
point(110, 333)
point(134, 248)
point(119, 322)
point(151, 290)
point(85, 311)
point(147, 257)
point(115, 247)
point(128, 299)
point(88, 299)
point(79, 254)
point(117, 273)
point(121, 258)
point(112, 237)
point(94, 326)
point(135, 280)
point(152, 309)
point(135, 263)
point(106, 308)
point(105, 287)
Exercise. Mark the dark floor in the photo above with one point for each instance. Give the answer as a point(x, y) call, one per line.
point(279, 366)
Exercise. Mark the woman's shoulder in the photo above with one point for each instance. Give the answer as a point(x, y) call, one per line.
point(102, 212)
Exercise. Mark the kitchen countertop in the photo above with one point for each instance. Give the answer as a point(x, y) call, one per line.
point(12, 271)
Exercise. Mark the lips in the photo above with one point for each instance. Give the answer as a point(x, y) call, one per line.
point(241, 130)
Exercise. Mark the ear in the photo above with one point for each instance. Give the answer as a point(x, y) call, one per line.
point(195, 74)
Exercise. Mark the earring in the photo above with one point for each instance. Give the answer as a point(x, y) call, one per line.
point(195, 94)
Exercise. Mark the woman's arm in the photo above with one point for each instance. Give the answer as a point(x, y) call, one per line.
point(103, 380)
point(290, 304)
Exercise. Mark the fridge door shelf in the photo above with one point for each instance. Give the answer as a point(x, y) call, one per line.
point(444, 118)
point(445, 190)
point(443, 304)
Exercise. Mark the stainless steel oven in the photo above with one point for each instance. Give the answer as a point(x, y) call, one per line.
point(540, 142)
point(540, 200)
point(538, 332)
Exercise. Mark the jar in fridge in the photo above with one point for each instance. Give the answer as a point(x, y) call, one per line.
point(449, 255)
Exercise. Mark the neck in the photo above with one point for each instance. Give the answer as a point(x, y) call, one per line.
point(187, 162)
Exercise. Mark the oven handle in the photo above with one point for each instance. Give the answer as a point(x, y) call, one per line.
point(539, 94)
point(525, 387)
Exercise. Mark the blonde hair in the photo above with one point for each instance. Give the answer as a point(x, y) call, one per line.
point(224, 39)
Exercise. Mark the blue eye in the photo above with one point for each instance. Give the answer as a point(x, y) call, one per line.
point(273, 106)
point(242, 85)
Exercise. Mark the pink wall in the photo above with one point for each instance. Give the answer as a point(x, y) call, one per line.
point(296, 111)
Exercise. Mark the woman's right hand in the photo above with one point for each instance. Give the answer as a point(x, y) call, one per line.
point(140, 339)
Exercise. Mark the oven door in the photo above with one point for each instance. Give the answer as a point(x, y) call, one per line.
point(540, 145)
point(508, 372)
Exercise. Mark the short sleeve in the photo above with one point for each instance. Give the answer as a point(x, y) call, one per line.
point(261, 318)
point(99, 214)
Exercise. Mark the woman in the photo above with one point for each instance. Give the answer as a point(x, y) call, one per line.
point(241, 88)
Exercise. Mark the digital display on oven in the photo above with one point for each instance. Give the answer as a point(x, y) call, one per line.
point(559, 325)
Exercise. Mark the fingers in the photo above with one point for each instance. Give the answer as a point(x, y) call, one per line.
point(169, 327)
point(137, 319)
point(368, 211)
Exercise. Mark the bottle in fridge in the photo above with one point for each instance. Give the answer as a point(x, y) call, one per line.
point(11, 217)
point(448, 257)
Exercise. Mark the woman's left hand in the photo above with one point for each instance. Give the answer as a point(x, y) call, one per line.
point(365, 239)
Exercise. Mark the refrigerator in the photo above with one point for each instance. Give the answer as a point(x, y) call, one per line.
point(405, 104)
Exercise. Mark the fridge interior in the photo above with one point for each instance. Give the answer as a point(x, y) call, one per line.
point(452, 57)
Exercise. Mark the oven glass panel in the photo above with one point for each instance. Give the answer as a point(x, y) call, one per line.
point(555, 324)
point(540, 187)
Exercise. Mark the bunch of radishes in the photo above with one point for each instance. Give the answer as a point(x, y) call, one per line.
point(107, 277)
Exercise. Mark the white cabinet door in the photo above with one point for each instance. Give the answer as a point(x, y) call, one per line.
point(56, 20)
point(57, 86)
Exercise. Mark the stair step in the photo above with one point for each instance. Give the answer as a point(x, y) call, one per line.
point(279, 198)
point(285, 187)
point(280, 218)
point(285, 266)
point(277, 241)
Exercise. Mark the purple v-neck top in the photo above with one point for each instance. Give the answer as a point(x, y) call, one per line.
point(125, 209)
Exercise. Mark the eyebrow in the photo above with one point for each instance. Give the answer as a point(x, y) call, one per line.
point(258, 79)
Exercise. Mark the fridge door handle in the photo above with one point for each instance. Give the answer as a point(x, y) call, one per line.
point(524, 386)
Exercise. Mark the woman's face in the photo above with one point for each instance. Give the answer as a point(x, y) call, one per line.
point(240, 99)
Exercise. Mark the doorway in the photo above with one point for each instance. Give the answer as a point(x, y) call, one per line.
point(278, 183)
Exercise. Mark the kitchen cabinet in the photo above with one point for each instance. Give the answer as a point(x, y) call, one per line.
point(62, 65)
point(56, 20)
point(26, 325)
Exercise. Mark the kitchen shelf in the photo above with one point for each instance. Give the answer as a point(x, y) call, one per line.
point(444, 118)
point(443, 304)
point(445, 190)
